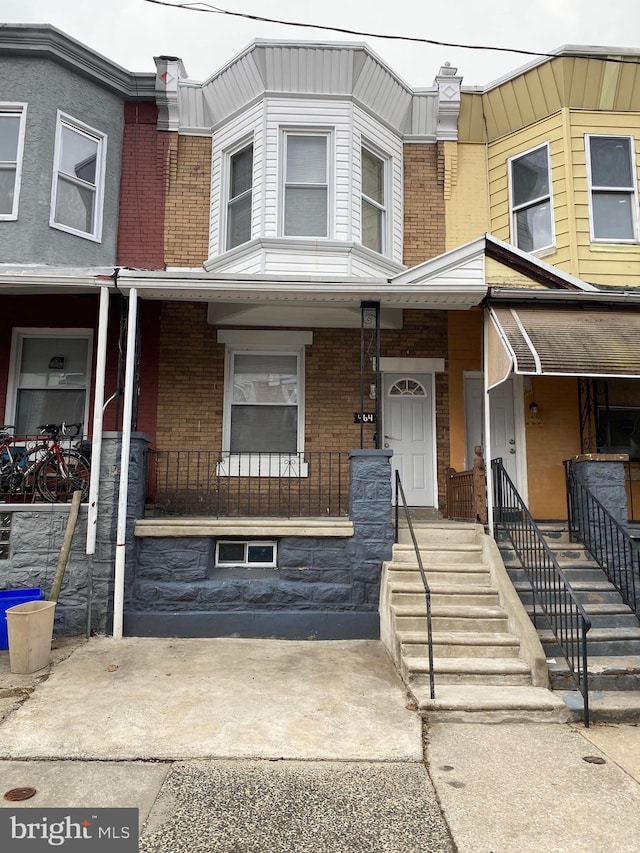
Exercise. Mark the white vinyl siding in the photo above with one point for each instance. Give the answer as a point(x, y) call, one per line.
point(78, 178)
point(12, 124)
point(613, 187)
point(531, 210)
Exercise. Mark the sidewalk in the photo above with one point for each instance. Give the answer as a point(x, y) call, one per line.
point(266, 746)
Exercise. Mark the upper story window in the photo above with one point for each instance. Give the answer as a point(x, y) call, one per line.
point(78, 179)
point(613, 188)
point(306, 185)
point(373, 201)
point(240, 196)
point(12, 121)
point(531, 218)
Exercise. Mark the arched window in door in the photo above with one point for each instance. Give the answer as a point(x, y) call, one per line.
point(407, 388)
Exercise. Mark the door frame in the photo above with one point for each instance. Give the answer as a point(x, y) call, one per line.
point(522, 477)
point(428, 378)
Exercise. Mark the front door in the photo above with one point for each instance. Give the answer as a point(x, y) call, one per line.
point(503, 432)
point(408, 431)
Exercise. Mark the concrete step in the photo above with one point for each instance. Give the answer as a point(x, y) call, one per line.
point(602, 616)
point(605, 706)
point(605, 672)
point(490, 704)
point(450, 618)
point(441, 593)
point(600, 641)
point(434, 533)
point(460, 574)
point(468, 670)
point(574, 574)
point(459, 644)
point(436, 555)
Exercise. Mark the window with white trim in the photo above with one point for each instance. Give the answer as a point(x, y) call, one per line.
point(247, 554)
point(12, 123)
point(78, 179)
point(239, 197)
point(373, 209)
point(613, 188)
point(530, 200)
point(306, 184)
point(51, 378)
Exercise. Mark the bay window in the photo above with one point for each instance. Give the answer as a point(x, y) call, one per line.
point(373, 213)
point(240, 196)
point(12, 121)
point(306, 185)
point(530, 201)
point(613, 188)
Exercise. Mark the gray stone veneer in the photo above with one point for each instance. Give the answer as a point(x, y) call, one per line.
point(326, 588)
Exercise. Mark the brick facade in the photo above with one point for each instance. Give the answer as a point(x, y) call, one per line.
point(188, 187)
point(424, 208)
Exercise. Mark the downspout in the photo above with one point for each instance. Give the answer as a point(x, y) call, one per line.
point(123, 492)
point(98, 414)
point(487, 419)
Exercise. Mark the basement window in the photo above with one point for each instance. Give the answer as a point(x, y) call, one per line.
point(258, 555)
point(5, 534)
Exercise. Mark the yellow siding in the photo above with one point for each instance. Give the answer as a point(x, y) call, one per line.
point(498, 275)
point(471, 126)
point(467, 208)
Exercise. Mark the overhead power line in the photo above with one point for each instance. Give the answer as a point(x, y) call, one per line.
point(216, 10)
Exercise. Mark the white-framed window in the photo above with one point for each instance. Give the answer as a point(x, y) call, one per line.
point(613, 188)
point(12, 125)
point(49, 378)
point(530, 200)
point(78, 178)
point(239, 196)
point(306, 169)
point(373, 205)
point(247, 554)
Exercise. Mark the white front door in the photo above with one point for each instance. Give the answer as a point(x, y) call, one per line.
point(504, 442)
point(408, 431)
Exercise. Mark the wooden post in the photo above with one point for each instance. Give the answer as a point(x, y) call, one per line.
point(63, 559)
point(480, 486)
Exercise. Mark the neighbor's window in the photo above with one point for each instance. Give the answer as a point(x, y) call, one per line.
point(306, 185)
point(531, 219)
point(12, 121)
point(51, 380)
point(5, 535)
point(373, 201)
point(263, 402)
point(613, 188)
point(78, 183)
point(240, 193)
point(246, 554)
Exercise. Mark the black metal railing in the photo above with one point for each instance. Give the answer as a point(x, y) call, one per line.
point(607, 540)
point(250, 485)
point(399, 497)
point(552, 592)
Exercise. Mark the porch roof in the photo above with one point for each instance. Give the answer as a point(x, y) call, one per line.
point(563, 340)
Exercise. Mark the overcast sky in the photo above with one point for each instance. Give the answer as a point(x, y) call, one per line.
point(132, 32)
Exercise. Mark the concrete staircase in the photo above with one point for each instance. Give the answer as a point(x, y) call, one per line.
point(613, 643)
point(488, 663)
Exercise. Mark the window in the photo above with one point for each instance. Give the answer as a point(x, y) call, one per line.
point(240, 194)
point(531, 221)
point(306, 189)
point(51, 378)
point(373, 201)
point(248, 554)
point(263, 413)
point(78, 180)
point(613, 186)
point(12, 121)
point(5, 535)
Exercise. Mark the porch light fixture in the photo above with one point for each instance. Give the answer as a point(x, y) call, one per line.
point(534, 409)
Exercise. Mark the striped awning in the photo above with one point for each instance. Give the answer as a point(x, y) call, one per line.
point(558, 341)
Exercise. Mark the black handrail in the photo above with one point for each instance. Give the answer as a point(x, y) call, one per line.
point(551, 588)
point(427, 591)
point(608, 541)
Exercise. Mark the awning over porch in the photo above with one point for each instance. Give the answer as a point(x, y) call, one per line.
point(562, 341)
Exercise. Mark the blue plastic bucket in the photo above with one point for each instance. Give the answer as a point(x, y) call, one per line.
point(8, 598)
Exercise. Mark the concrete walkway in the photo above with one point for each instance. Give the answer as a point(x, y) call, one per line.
point(267, 746)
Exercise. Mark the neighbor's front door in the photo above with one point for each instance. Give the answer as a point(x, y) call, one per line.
point(408, 431)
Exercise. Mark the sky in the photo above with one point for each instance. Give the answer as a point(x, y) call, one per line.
point(132, 32)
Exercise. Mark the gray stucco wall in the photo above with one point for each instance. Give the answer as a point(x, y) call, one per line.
point(46, 88)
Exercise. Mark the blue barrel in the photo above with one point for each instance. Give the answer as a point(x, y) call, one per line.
point(9, 597)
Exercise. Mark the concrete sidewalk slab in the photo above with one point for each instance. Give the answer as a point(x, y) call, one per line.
point(527, 788)
point(84, 784)
point(296, 807)
point(149, 698)
point(620, 743)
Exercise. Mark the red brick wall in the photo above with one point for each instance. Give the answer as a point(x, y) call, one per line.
point(142, 189)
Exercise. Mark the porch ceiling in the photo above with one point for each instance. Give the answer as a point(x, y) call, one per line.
point(563, 341)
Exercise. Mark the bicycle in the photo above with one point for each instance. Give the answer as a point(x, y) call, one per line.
point(55, 471)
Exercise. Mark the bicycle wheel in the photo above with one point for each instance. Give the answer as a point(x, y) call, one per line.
point(58, 478)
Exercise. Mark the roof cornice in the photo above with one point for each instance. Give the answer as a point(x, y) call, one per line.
point(47, 42)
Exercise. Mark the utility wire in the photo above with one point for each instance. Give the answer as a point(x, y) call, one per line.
point(215, 10)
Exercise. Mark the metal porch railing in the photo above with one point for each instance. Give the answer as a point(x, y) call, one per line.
point(608, 541)
point(251, 485)
point(552, 592)
point(399, 496)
